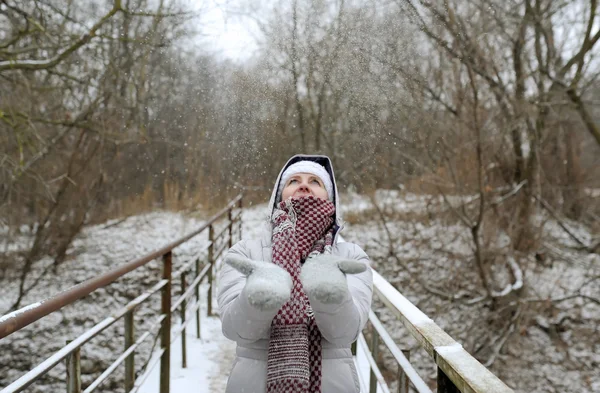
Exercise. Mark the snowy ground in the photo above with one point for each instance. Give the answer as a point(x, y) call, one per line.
point(555, 348)
point(208, 359)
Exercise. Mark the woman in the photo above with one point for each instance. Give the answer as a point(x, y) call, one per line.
point(295, 300)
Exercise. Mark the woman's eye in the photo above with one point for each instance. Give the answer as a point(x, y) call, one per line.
point(316, 182)
point(293, 181)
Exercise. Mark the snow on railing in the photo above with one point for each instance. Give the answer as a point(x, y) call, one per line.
point(457, 369)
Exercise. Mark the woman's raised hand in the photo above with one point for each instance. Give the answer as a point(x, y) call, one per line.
point(323, 277)
point(268, 286)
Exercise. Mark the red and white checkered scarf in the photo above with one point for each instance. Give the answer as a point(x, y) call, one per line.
point(302, 227)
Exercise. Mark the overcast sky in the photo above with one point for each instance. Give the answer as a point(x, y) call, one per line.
point(227, 34)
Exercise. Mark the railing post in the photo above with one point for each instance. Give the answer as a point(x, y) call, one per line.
point(198, 299)
point(444, 384)
point(165, 339)
point(402, 377)
point(74, 371)
point(374, 352)
point(183, 309)
point(240, 205)
point(229, 217)
point(130, 360)
point(211, 248)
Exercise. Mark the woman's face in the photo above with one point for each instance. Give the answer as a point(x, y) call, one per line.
point(304, 184)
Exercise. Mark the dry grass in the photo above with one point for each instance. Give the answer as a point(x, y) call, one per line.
point(432, 211)
point(172, 196)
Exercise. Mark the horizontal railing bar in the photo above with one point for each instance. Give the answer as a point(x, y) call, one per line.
point(464, 370)
point(361, 379)
point(223, 230)
point(191, 263)
point(190, 310)
point(124, 355)
point(408, 313)
point(29, 314)
point(191, 289)
point(180, 328)
point(218, 253)
point(62, 353)
point(202, 253)
point(151, 364)
point(211, 221)
point(373, 364)
point(52, 361)
point(237, 217)
point(142, 298)
point(402, 361)
point(115, 364)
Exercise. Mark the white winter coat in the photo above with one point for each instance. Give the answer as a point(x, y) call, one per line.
point(250, 328)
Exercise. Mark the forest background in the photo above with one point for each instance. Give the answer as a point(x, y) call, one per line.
point(113, 108)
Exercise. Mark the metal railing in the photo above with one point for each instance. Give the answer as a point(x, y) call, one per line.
point(457, 370)
point(70, 353)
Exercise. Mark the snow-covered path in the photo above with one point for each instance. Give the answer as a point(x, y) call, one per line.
point(208, 359)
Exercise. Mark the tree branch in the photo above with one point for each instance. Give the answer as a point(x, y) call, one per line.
point(560, 222)
point(585, 115)
point(33, 65)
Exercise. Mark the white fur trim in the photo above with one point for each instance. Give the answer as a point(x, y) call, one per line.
point(306, 167)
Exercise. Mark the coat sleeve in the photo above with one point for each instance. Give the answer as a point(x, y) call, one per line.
point(342, 324)
point(240, 321)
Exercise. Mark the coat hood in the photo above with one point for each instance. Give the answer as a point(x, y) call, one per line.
point(319, 159)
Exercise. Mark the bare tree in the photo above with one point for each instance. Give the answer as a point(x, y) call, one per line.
point(76, 92)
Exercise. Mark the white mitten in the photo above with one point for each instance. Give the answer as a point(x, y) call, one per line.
point(323, 277)
point(268, 286)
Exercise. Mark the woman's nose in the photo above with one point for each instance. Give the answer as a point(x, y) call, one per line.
point(303, 187)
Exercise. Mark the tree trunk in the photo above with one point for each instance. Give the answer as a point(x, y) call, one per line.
point(572, 191)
